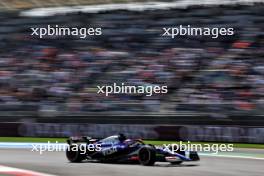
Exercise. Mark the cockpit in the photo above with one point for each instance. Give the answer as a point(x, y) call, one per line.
point(115, 139)
point(111, 140)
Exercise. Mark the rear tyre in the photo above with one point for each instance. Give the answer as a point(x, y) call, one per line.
point(147, 156)
point(75, 153)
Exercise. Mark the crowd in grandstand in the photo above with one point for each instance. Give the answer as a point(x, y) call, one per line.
point(202, 74)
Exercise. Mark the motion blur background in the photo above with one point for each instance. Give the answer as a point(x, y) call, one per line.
point(53, 81)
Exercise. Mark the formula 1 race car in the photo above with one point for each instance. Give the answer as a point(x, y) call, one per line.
point(118, 149)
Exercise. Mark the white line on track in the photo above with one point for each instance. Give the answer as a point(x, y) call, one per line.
point(231, 156)
point(20, 172)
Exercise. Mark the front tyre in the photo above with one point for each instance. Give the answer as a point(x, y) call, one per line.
point(75, 153)
point(147, 156)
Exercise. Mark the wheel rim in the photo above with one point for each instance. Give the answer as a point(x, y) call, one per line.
point(144, 155)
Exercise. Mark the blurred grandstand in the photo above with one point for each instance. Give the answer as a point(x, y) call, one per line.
point(219, 78)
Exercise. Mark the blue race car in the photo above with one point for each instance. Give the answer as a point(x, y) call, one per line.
point(119, 149)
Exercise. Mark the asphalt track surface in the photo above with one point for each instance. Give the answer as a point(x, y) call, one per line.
point(56, 163)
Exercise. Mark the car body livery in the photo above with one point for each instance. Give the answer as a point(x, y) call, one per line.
point(118, 149)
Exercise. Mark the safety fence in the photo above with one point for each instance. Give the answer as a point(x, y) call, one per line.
point(240, 134)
